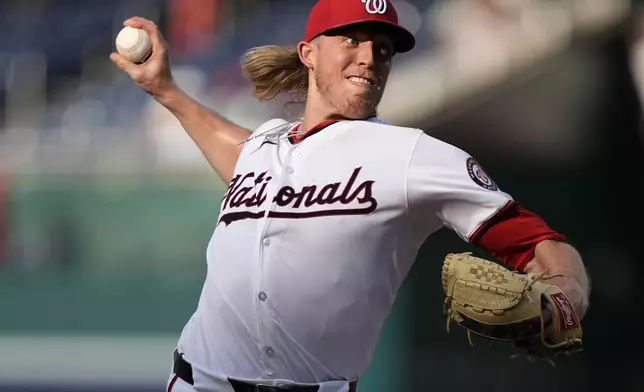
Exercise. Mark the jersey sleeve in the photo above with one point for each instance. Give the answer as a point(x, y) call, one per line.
point(448, 187)
point(258, 135)
point(270, 124)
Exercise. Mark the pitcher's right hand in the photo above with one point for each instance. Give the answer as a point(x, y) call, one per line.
point(154, 76)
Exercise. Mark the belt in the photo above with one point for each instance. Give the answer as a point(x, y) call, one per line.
point(183, 370)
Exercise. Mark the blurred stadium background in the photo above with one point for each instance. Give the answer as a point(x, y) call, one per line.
point(106, 207)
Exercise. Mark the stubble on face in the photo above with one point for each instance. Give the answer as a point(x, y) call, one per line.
point(337, 91)
point(345, 100)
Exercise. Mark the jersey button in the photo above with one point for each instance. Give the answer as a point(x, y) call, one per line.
point(296, 152)
point(266, 241)
point(262, 296)
point(269, 351)
point(289, 170)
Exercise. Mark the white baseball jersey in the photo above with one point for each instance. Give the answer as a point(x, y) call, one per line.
point(313, 241)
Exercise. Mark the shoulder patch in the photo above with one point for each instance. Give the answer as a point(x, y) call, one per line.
point(479, 176)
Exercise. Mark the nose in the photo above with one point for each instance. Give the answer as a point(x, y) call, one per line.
point(366, 54)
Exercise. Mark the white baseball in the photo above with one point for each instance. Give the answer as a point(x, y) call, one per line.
point(134, 44)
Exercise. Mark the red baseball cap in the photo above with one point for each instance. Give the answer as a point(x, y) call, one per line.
point(331, 14)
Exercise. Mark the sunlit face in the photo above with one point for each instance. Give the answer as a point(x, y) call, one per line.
point(349, 70)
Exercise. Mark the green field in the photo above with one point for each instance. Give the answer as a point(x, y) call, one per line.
point(90, 254)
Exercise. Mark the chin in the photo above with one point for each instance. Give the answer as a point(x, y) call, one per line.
point(361, 114)
point(357, 114)
point(359, 111)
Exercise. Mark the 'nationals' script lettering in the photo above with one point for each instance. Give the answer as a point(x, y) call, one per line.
point(247, 192)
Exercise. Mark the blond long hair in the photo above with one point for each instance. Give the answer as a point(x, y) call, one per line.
point(273, 70)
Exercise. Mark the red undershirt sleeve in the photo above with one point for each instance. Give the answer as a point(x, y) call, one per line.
point(512, 234)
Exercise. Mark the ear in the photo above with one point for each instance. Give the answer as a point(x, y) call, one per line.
point(306, 51)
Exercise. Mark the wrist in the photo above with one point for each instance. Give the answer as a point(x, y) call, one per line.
point(170, 96)
point(576, 295)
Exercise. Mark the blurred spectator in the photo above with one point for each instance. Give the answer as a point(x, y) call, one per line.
point(472, 29)
point(193, 25)
point(482, 41)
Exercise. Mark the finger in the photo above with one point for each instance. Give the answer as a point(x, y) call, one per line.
point(124, 64)
point(149, 27)
point(136, 21)
point(132, 22)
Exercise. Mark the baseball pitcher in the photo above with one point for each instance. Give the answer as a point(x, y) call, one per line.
point(323, 217)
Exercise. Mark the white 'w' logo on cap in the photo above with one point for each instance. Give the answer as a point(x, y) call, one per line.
point(375, 6)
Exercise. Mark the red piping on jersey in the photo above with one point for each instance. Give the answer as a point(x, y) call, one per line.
point(512, 234)
point(296, 139)
point(497, 215)
point(174, 380)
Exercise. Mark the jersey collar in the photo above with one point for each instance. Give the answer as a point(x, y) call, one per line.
point(294, 138)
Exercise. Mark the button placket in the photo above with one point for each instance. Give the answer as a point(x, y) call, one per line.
point(294, 152)
point(280, 178)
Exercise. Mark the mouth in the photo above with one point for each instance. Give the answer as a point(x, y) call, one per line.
point(368, 82)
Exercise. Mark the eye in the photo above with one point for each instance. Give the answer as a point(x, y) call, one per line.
point(385, 51)
point(352, 41)
point(384, 46)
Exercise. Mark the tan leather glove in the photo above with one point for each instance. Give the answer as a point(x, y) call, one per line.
point(501, 305)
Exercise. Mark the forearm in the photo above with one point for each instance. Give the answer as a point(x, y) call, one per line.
point(218, 138)
point(559, 258)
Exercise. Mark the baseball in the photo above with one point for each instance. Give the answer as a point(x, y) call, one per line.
point(134, 44)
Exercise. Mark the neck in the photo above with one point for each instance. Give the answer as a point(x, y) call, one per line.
point(315, 113)
point(318, 110)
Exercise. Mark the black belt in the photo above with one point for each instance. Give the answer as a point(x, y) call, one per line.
point(183, 370)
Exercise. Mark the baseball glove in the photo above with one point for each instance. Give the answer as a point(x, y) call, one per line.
point(497, 304)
